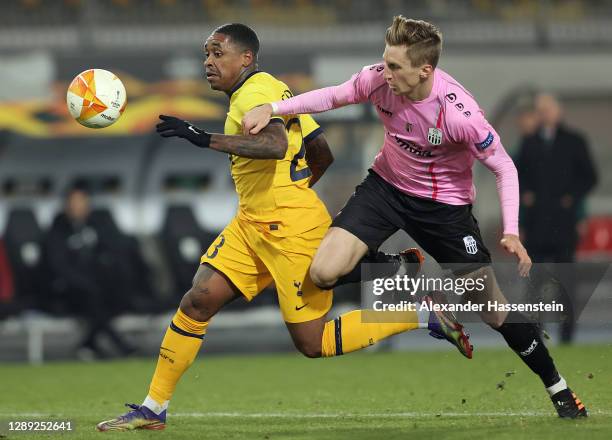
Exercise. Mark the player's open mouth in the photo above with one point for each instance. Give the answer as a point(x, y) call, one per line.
point(210, 75)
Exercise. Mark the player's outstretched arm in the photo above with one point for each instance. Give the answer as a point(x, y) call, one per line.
point(315, 101)
point(318, 157)
point(270, 143)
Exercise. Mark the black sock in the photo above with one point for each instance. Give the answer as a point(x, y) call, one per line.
point(386, 265)
point(524, 338)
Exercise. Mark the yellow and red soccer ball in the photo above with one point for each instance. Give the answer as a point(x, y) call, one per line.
point(96, 98)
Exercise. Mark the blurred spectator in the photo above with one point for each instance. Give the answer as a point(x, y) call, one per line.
point(83, 273)
point(556, 173)
point(527, 120)
point(132, 276)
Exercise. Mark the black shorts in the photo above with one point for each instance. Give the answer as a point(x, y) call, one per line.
point(449, 233)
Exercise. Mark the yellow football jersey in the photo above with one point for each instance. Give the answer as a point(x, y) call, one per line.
point(274, 193)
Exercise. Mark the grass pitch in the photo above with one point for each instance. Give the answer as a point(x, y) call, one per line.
point(416, 395)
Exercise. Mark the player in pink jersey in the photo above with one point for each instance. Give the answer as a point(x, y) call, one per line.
point(421, 182)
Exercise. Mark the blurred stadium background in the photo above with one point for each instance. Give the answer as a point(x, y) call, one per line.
point(160, 203)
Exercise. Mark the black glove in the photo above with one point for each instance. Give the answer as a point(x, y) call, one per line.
point(171, 126)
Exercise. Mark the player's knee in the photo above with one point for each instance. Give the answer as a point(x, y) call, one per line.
point(196, 303)
point(322, 276)
point(496, 320)
point(309, 349)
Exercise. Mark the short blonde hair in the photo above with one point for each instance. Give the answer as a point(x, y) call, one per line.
point(422, 39)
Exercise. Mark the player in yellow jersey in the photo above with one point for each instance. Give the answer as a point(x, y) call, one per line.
point(273, 238)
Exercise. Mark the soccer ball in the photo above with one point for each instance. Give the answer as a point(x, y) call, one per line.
point(96, 98)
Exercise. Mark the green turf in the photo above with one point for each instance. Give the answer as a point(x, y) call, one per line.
point(414, 395)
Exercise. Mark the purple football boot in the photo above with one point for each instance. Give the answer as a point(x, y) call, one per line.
point(140, 417)
point(444, 325)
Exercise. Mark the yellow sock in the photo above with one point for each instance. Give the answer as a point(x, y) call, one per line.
point(348, 332)
point(178, 349)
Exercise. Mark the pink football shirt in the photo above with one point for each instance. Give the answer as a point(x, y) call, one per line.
point(430, 145)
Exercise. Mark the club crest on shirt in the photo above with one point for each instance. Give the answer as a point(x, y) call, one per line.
point(471, 246)
point(434, 136)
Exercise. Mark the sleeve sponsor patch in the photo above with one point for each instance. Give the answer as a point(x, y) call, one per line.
point(486, 143)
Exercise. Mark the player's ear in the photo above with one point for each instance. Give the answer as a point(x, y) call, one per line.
point(426, 71)
point(247, 58)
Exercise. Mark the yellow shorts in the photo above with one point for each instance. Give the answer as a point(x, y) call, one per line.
point(252, 258)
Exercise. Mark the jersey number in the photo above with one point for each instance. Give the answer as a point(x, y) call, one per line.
point(294, 173)
point(214, 253)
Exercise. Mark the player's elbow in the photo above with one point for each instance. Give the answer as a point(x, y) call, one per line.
point(281, 150)
point(323, 159)
point(327, 161)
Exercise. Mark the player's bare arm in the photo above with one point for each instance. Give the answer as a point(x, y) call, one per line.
point(318, 157)
point(270, 143)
